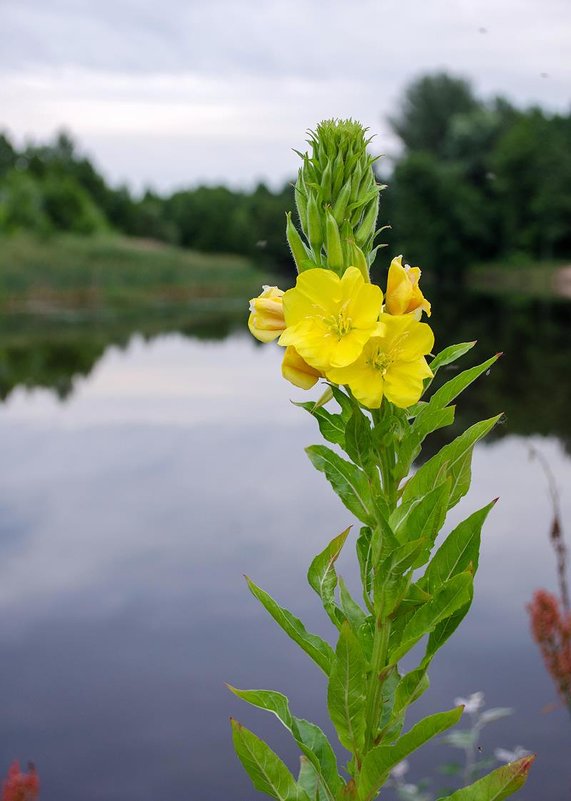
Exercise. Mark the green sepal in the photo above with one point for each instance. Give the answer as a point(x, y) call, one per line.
point(319, 650)
point(348, 481)
point(298, 250)
point(335, 258)
point(346, 691)
point(309, 737)
point(322, 576)
point(379, 762)
point(268, 773)
point(496, 786)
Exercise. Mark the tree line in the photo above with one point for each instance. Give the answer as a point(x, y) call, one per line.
point(475, 181)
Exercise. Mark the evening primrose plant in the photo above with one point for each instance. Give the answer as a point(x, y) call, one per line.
point(372, 352)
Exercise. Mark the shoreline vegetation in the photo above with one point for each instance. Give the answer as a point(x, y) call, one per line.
point(476, 181)
point(74, 277)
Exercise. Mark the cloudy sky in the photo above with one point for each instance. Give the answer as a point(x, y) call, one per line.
point(178, 92)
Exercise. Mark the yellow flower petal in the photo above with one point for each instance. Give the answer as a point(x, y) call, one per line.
point(298, 371)
point(316, 291)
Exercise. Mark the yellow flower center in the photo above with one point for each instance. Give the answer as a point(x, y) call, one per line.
point(381, 360)
point(339, 324)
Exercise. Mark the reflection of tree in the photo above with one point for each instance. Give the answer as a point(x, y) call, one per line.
point(532, 381)
point(531, 384)
point(38, 353)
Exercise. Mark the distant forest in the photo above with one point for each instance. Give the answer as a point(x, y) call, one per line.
point(476, 181)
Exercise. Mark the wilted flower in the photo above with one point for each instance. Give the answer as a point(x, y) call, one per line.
point(20, 786)
point(404, 295)
point(266, 321)
point(551, 628)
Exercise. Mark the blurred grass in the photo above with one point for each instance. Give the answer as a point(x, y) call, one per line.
point(68, 272)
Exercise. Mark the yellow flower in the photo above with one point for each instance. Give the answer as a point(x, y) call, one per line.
point(392, 364)
point(328, 318)
point(403, 292)
point(266, 320)
point(298, 371)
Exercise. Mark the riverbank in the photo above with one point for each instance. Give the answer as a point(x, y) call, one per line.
point(71, 274)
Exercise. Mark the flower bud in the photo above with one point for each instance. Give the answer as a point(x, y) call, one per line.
point(404, 295)
point(266, 321)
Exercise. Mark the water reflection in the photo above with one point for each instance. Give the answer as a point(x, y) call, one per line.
point(128, 515)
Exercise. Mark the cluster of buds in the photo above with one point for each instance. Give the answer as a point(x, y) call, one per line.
point(551, 629)
point(337, 200)
point(20, 786)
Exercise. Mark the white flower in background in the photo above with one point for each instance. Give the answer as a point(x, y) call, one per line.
point(399, 770)
point(503, 755)
point(472, 704)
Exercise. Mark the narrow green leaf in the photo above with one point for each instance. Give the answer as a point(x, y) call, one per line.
point(323, 578)
point(268, 773)
point(454, 594)
point(346, 691)
point(320, 651)
point(365, 556)
point(452, 388)
point(454, 460)
point(359, 441)
point(425, 519)
point(309, 737)
point(497, 785)
point(460, 551)
point(450, 354)
point(426, 422)
point(308, 779)
point(378, 763)
point(331, 426)
point(348, 481)
point(350, 608)
point(444, 630)
point(410, 688)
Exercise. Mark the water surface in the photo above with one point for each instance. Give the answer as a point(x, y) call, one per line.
point(130, 510)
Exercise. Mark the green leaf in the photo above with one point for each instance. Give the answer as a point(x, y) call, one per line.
point(444, 631)
point(450, 354)
point(378, 763)
point(268, 773)
point(308, 779)
point(320, 651)
point(359, 441)
point(331, 426)
point(352, 611)
point(454, 461)
point(365, 556)
point(460, 551)
point(323, 578)
point(348, 481)
point(344, 402)
point(453, 595)
point(425, 519)
point(309, 737)
point(410, 688)
point(346, 691)
point(452, 388)
point(496, 785)
point(428, 422)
